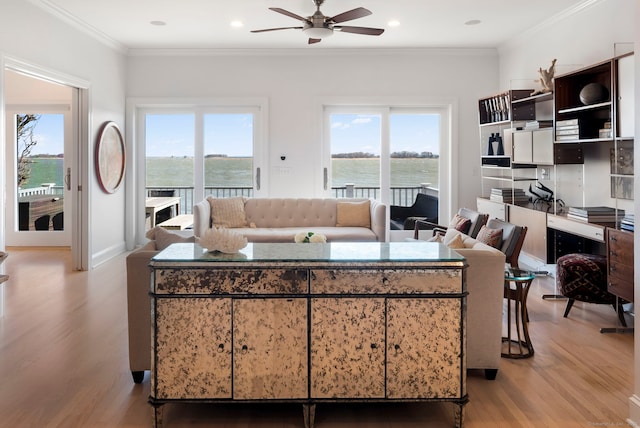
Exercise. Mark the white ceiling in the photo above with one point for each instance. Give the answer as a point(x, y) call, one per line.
point(206, 24)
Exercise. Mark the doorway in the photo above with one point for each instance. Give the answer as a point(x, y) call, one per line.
point(42, 181)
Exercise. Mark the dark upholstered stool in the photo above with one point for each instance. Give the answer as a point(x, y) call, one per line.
point(583, 277)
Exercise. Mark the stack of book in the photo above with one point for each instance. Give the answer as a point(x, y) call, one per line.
point(537, 124)
point(605, 131)
point(595, 214)
point(567, 130)
point(508, 196)
point(627, 223)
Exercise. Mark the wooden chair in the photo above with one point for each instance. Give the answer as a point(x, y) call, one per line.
point(476, 221)
point(512, 239)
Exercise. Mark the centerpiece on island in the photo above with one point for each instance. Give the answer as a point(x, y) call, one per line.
point(223, 240)
point(310, 237)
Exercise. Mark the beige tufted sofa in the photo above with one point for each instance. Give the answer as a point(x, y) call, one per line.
point(280, 219)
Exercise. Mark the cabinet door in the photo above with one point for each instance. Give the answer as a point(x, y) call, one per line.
point(522, 148)
point(542, 142)
point(347, 348)
point(535, 243)
point(425, 348)
point(193, 348)
point(270, 348)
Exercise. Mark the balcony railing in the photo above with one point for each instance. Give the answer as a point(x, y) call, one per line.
point(403, 196)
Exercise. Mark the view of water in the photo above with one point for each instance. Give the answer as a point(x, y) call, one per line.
point(232, 172)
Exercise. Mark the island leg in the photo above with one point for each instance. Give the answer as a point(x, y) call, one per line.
point(157, 411)
point(309, 411)
point(458, 411)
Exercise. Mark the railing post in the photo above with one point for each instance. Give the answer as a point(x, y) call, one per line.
point(423, 187)
point(350, 189)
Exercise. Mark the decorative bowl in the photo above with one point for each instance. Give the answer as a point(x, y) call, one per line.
point(593, 93)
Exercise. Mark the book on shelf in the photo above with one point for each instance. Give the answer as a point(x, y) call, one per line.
point(627, 223)
point(595, 214)
point(594, 210)
point(508, 196)
point(567, 137)
point(566, 122)
point(537, 124)
point(573, 131)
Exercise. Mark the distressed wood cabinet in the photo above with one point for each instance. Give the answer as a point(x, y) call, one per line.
point(309, 323)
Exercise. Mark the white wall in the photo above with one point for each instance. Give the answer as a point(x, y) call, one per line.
point(294, 83)
point(29, 35)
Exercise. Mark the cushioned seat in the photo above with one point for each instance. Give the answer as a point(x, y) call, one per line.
point(583, 277)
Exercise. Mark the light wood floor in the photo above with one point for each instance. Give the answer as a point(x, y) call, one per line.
point(63, 363)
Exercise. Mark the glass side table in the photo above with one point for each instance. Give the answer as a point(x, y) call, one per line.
point(516, 289)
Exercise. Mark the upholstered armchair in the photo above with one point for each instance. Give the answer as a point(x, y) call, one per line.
point(474, 221)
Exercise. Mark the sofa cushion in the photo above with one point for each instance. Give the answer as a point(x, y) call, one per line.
point(491, 237)
point(353, 214)
point(228, 212)
point(163, 237)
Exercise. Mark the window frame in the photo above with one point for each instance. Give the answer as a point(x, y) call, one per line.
point(138, 108)
point(447, 108)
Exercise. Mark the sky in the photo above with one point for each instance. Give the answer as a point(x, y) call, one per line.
point(231, 134)
point(49, 133)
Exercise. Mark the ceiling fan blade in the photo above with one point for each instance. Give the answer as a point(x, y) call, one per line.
point(312, 41)
point(356, 13)
point(289, 14)
point(360, 30)
point(276, 29)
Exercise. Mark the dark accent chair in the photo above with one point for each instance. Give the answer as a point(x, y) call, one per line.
point(425, 207)
point(583, 277)
point(42, 222)
point(58, 221)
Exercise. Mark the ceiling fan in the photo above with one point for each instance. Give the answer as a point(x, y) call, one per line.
point(319, 26)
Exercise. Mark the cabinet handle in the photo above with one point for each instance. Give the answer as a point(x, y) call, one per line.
point(221, 348)
point(245, 349)
point(374, 347)
point(397, 348)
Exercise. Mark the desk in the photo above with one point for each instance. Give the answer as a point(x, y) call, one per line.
point(521, 280)
point(156, 204)
point(309, 323)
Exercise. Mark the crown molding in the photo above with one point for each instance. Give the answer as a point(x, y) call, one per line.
point(78, 24)
point(317, 52)
point(531, 32)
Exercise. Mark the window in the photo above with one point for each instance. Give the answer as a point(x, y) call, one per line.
point(386, 153)
point(194, 152)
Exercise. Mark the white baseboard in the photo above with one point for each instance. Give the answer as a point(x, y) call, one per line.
point(107, 254)
point(634, 411)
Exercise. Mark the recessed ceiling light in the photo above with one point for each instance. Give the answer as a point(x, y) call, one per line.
point(473, 22)
point(393, 23)
point(237, 24)
point(158, 23)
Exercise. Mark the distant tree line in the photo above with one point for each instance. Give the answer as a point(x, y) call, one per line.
point(402, 155)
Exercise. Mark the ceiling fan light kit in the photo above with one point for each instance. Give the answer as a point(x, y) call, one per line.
point(318, 26)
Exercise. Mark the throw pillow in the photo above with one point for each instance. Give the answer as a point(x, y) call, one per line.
point(228, 212)
point(456, 243)
point(164, 237)
point(491, 237)
point(355, 214)
point(460, 223)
